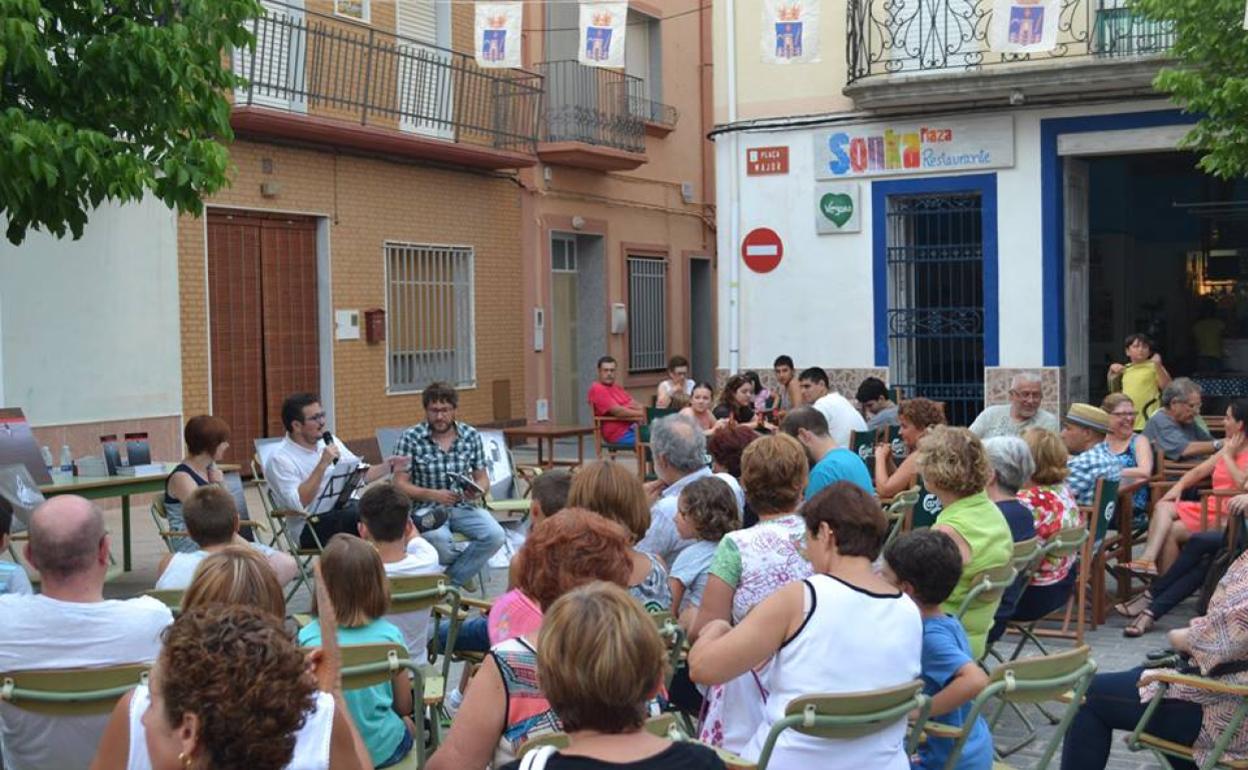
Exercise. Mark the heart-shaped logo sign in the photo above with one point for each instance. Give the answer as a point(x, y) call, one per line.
point(837, 207)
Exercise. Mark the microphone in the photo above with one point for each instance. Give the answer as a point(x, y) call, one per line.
point(328, 438)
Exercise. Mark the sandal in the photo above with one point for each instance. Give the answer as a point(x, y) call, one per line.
point(1129, 609)
point(1142, 567)
point(1142, 624)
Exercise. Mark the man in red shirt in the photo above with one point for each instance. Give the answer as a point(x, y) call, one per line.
point(610, 400)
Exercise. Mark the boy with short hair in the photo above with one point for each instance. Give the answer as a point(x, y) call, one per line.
point(926, 565)
point(385, 522)
point(13, 579)
point(1142, 378)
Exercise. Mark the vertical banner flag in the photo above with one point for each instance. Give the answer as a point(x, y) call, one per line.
point(498, 34)
point(1024, 26)
point(790, 31)
point(602, 34)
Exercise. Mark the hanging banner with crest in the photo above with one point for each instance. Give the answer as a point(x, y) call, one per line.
point(790, 31)
point(497, 34)
point(603, 26)
point(1024, 26)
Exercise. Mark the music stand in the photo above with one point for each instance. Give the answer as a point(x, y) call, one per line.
point(339, 488)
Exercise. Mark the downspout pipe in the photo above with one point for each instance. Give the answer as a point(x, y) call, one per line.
point(734, 203)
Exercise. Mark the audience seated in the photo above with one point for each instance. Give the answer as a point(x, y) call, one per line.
point(1175, 520)
point(881, 413)
point(1012, 467)
point(677, 382)
point(955, 468)
point(1140, 379)
point(1187, 716)
point(600, 659)
point(1083, 433)
point(1023, 411)
point(830, 463)
point(790, 390)
point(13, 579)
point(211, 518)
point(916, 416)
point(843, 419)
point(1132, 450)
point(736, 404)
point(608, 399)
point(749, 566)
point(237, 576)
point(385, 522)
point(725, 446)
point(612, 491)
point(1175, 428)
point(705, 512)
point(69, 625)
point(926, 566)
point(801, 639)
point(699, 409)
point(440, 452)
point(764, 401)
point(679, 450)
point(506, 706)
point(207, 440)
point(355, 582)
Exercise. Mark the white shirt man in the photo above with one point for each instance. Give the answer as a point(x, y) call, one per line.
point(69, 625)
point(843, 419)
point(1021, 413)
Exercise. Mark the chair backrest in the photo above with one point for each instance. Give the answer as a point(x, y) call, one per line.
point(1104, 507)
point(387, 440)
point(852, 715)
point(1027, 555)
point(159, 514)
point(1066, 541)
point(673, 636)
point(1047, 678)
point(896, 444)
point(365, 665)
point(862, 443)
point(987, 587)
point(418, 592)
point(171, 598)
point(926, 509)
point(264, 450)
point(70, 691)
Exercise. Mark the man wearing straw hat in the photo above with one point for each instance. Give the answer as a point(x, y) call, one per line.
point(1083, 432)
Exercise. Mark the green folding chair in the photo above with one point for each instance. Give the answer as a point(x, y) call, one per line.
point(366, 665)
point(171, 598)
point(71, 692)
point(926, 509)
point(987, 587)
point(862, 443)
point(1163, 750)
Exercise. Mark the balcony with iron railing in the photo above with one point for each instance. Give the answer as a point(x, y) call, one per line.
point(907, 52)
point(330, 81)
point(598, 118)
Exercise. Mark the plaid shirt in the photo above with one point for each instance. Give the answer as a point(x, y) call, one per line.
point(430, 464)
point(1085, 468)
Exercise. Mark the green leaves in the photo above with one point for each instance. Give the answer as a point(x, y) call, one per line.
point(111, 101)
point(1210, 79)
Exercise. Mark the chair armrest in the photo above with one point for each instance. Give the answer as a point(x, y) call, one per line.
point(1131, 488)
point(252, 524)
point(479, 604)
point(939, 730)
point(1199, 682)
point(1221, 492)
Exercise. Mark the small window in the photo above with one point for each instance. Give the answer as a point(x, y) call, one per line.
point(647, 314)
point(563, 254)
point(429, 316)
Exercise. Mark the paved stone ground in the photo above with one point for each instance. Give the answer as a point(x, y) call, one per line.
point(1112, 651)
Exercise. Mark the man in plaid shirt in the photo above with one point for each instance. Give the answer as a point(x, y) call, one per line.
point(439, 447)
point(1083, 432)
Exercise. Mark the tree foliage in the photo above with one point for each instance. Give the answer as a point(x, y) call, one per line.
point(109, 99)
point(1210, 78)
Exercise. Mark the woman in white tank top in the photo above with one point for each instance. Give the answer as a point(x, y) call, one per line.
point(844, 629)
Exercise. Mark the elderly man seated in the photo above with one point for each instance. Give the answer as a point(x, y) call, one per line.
point(1174, 427)
point(679, 449)
point(1021, 413)
point(69, 625)
point(1083, 433)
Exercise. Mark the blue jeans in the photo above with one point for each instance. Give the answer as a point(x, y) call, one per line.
point(474, 635)
point(1113, 703)
point(1187, 574)
point(484, 534)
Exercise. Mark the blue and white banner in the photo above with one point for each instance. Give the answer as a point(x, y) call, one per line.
point(790, 31)
point(497, 35)
point(1024, 26)
point(603, 26)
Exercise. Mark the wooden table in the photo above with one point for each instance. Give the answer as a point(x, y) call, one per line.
point(103, 487)
point(546, 432)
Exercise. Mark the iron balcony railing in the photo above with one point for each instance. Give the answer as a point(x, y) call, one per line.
point(651, 111)
point(593, 105)
point(889, 37)
point(327, 66)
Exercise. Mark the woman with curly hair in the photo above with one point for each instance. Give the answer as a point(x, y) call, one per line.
point(916, 416)
point(505, 706)
point(240, 577)
point(955, 468)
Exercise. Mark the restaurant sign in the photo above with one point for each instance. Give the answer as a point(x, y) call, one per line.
point(937, 146)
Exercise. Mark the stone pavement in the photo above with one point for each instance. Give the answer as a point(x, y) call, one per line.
point(1111, 650)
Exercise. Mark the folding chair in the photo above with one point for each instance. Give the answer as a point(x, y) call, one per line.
point(1104, 508)
point(612, 449)
point(160, 518)
point(505, 499)
point(367, 665)
point(850, 715)
point(69, 692)
point(1162, 749)
point(287, 524)
point(898, 511)
point(925, 510)
point(862, 443)
point(423, 593)
point(1062, 678)
point(987, 587)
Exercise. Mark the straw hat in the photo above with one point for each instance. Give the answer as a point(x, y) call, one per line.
point(1088, 416)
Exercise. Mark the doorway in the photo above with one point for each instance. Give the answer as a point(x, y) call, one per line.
point(264, 340)
point(578, 322)
point(701, 320)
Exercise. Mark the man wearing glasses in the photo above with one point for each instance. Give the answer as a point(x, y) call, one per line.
point(448, 473)
point(1175, 428)
point(1021, 413)
point(302, 465)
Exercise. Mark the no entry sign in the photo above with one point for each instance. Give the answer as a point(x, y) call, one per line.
point(762, 249)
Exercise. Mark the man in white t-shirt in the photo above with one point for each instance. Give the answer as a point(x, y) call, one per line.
point(385, 522)
point(843, 419)
point(303, 466)
point(69, 625)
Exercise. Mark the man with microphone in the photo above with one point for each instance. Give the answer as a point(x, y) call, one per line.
point(302, 465)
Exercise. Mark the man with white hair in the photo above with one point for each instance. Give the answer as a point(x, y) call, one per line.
point(679, 449)
point(1021, 413)
point(69, 625)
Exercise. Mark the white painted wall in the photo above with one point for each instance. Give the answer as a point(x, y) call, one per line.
point(89, 329)
point(817, 306)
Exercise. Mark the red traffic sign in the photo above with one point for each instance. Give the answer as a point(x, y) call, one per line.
point(762, 249)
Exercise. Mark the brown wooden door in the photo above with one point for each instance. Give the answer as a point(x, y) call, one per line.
point(263, 327)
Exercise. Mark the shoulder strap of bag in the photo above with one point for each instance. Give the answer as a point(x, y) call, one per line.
point(537, 758)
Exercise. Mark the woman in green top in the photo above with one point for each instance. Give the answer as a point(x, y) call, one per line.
point(955, 468)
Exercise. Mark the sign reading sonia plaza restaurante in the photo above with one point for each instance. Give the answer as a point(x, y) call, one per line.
point(936, 146)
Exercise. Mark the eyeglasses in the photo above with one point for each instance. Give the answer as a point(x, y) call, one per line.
point(1124, 414)
point(318, 417)
point(1028, 395)
point(440, 409)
